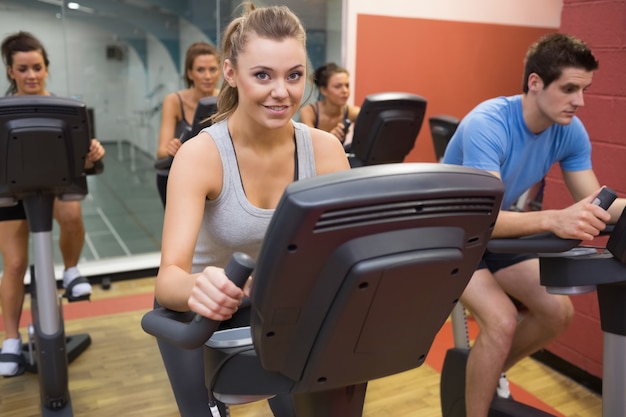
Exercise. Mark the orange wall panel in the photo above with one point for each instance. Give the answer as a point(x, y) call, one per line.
point(454, 65)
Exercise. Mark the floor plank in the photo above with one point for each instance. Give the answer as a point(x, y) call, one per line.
point(121, 373)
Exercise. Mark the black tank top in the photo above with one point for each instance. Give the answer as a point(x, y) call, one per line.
point(316, 111)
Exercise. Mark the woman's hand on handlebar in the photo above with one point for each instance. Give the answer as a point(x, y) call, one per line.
point(582, 220)
point(339, 132)
point(96, 151)
point(173, 146)
point(215, 296)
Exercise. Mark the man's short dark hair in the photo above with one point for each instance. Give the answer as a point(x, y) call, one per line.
point(554, 52)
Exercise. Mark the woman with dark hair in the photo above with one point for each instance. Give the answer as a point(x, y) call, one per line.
point(331, 112)
point(27, 64)
point(202, 73)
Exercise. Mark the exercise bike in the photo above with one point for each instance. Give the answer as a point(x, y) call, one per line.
point(43, 146)
point(568, 269)
point(357, 273)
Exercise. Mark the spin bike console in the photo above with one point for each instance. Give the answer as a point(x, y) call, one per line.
point(43, 146)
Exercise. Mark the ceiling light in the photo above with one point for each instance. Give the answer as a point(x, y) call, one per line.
point(53, 2)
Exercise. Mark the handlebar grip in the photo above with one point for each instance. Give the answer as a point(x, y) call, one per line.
point(164, 163)
point(162, 323)
point(547, 242)
point(605, 198)
point(96, 169)
point(346, 125)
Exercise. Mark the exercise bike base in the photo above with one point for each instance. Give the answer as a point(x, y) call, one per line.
point(66, 411)
point(452, 389)
point(75, 345)
point(340, 402)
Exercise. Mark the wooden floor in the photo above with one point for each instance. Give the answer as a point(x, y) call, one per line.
point(121, 373)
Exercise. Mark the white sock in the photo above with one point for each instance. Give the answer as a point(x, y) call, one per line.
point(10, 346)
point(69, 275)
point(503, 390)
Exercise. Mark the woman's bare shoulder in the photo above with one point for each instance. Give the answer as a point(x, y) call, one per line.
point(329, 153)
point(198, 161)
point(199, 147)
point(171, 101)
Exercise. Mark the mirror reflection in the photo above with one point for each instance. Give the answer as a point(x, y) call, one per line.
point(122, 59)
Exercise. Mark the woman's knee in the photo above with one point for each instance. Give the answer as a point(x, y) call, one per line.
point(70, 219)
point(71, 225)
point(15, 258)
point(15, 268)
point(68, 213)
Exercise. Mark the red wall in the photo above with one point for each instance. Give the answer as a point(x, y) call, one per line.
point(602, 25)
point(454, 65)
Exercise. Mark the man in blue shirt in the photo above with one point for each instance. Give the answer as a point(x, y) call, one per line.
point(518, 139)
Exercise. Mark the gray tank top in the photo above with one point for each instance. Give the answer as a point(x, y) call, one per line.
point(230, 222)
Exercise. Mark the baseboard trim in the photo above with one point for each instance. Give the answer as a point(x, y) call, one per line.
point(115, 268)
point(580, 376)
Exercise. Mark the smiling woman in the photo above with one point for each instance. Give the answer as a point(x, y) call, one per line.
point(226, 182)
point(123, 59)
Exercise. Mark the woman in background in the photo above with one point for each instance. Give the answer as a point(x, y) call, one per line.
point(27, 63)
point(202, 73)
point(331, 112)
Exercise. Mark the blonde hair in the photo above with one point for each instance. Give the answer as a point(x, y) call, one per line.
point(272, 22)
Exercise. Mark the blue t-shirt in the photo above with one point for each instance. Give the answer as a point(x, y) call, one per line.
point(494, 137)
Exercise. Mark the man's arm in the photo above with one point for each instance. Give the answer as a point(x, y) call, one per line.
point(583, 183)
point(582, 220)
